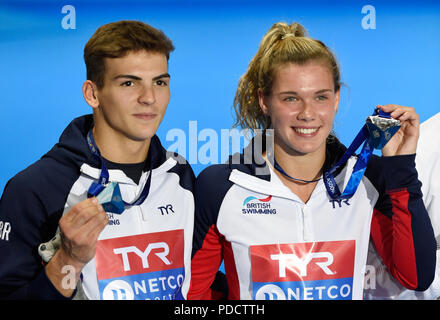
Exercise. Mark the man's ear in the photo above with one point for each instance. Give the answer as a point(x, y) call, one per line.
point(90, 93)
point(262, 103)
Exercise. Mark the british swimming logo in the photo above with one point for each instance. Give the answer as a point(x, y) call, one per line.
point(303, 271)
point(141, 267)
point(253, 205)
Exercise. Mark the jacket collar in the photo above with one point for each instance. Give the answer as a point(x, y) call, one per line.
point(72, 149)
point(250, 170)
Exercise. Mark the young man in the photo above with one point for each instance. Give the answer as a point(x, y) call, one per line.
point(143, 252)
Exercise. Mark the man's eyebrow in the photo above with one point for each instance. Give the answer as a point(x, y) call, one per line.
point(164, 75)
point(133, 77)
point(127, 76)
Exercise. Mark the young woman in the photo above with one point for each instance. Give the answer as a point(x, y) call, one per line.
point(270, 217)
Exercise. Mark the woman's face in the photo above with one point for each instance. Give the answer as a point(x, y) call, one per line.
point(301, 106)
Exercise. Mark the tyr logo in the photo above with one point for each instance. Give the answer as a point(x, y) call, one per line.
point(287, 260)
point(124, 251)
point(339, 202)
point(166, 209)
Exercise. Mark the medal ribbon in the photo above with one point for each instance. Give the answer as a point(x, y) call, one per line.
point(97, 187)
point(360, 165)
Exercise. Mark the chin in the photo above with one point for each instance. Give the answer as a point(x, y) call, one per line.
point(143, 133)
point(299, 148)
point(294, 146)
point(141, 137)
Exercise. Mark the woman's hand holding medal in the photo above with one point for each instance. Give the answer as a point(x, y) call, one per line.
point(404, 141)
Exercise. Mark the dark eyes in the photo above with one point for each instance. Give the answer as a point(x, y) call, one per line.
point(128, 83)
point(161, 83)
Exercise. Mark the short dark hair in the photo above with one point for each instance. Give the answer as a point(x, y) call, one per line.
point(116, 39)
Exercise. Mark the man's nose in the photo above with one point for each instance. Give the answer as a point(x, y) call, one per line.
point(147, 95)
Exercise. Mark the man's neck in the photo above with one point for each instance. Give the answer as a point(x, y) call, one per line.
point(120, 149)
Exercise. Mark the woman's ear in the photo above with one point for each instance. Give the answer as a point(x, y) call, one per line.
point(337, 99)
point(262, 102)
point(90, 93)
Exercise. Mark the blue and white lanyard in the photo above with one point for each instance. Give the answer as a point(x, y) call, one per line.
point(97, 187)
point(359, 167)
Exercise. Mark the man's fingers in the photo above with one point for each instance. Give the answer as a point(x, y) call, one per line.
point(86, 214)
point(89, 232)
point(95, 226)
point(86, 234)
point(79, 216)
point(78, 208)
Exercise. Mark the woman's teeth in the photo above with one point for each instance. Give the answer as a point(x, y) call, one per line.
point(306, 130)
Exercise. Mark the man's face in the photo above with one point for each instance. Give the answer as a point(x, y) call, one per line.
point(135, 95)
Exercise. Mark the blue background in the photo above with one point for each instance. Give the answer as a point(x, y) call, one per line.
point(42, 68)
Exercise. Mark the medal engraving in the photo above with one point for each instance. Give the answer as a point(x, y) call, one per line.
point(110, 198)
point(381, 130)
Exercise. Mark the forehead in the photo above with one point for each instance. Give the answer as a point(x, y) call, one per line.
point(137, 63)
point(302, 77)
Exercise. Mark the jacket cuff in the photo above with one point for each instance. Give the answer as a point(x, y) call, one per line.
point(399, 171)
point(43, 289)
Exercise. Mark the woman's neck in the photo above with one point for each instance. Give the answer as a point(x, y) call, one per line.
point(300, 166)
point(118, 148)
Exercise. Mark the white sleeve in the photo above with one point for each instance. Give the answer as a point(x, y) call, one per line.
point(428, 168)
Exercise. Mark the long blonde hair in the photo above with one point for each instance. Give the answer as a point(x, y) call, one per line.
point(282, 44)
